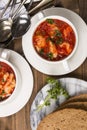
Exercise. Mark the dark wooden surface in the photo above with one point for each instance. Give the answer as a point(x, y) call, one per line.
point(21, 120)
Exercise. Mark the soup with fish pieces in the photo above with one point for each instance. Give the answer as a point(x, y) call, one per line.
point(54, 39)
point(7, 81)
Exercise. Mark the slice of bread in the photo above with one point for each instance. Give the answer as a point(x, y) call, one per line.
point(65, 119)
point(78, 98)
point(76, 105)
point(75, 99)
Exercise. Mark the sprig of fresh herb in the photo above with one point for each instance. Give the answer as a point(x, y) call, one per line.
point(53, 93)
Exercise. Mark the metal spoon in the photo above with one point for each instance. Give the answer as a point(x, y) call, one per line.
point(6, 25)
point(22, 23)
point(5, 22)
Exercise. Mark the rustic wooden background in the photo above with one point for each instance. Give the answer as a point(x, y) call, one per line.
point(20, 120)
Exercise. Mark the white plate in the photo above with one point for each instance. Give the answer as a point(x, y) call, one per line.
point(24, 90)
point(75, 61)
point(73, 86)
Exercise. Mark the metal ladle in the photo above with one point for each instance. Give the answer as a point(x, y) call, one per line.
point(6, 25)
point(22, 23)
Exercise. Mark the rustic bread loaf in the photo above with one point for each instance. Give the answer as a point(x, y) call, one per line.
point(65, 119)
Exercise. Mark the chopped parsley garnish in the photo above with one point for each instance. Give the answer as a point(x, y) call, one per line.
point(3, 91)
point(53, 93)
point(1, 98)
point(59, 40)
point(3, 80)
point(58, 33)
point(48, 39)
point(41, 51)
point(51, 21)
point(50, 55)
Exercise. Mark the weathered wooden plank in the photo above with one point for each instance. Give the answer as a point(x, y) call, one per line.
point(83, 9)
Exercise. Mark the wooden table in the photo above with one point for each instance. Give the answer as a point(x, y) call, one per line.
point(20, 120)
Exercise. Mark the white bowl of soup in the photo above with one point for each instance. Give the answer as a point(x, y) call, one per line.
point(54, 39)
point(9, 81)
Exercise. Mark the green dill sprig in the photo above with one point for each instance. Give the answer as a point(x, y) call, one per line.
point(53, 93)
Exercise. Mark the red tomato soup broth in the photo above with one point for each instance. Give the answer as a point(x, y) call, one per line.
point(54, 39)
point(7, 81)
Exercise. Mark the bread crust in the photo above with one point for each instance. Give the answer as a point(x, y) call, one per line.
point(65, 119)
point(77, 98)
point(71, 115)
